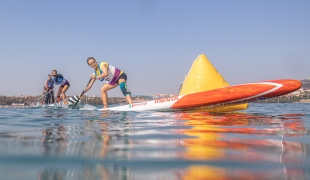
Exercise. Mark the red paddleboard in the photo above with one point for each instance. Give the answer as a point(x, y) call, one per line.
point(239, 93)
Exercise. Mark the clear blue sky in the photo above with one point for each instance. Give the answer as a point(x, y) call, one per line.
point(154, 41)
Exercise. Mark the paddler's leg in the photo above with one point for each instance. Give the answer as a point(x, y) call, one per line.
point(58, 93)
point(46, 100)
point(104, 94)
point(52, 96)
point(122, 81)
point(125, 91)
point(63, 91)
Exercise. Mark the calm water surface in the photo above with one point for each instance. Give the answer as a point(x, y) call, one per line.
point(266, 141)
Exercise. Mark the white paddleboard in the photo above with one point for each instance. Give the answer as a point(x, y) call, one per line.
point(227, 95)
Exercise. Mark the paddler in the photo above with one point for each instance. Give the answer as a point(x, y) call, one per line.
point(58, 79)
point(111, 75)
point(48, 91)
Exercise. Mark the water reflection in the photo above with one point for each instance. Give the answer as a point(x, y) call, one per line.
point(232, 146)
point(245, 138)
point(71, 144)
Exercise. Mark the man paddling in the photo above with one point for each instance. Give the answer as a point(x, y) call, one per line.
point(111, 75)
point(48, 91)
point(58, 79)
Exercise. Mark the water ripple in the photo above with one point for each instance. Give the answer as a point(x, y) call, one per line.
point(266, 141)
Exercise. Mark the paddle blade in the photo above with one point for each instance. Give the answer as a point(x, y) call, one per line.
point(73, 99)
point(77, 97)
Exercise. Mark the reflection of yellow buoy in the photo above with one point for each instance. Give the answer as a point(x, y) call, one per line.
point(203, 77)
point(204, 172)
point(205, 146)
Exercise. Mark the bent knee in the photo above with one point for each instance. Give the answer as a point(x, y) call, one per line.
point(123, 87)
point(103, 89)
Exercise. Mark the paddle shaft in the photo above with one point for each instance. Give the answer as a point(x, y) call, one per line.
point(82, 93)
point(43, 95)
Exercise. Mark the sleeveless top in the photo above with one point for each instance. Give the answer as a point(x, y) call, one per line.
point(113, 73)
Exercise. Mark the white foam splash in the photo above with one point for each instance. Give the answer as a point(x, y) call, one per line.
point(88, 107)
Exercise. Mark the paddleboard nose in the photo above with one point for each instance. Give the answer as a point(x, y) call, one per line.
point(288, 86)
point(292, 84)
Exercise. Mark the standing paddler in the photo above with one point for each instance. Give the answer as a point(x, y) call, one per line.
point(111, 75)
point(58, 79)
point(48, 91)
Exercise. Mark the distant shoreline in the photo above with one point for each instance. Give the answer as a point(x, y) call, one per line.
point(304, 101)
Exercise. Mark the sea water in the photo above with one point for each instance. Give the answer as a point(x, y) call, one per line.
point(266, 141)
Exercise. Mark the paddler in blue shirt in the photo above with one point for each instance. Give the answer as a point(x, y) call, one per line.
point(48, 90)
point(58, 79)
point(111, 75)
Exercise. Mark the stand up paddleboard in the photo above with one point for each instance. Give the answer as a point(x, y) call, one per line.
point(230, 95)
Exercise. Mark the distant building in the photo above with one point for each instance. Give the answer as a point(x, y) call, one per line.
point(18, 105)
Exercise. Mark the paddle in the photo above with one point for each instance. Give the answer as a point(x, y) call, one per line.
point(43, 96)
point(82, 93)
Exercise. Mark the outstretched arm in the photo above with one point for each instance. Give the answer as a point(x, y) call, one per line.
point(89, 85)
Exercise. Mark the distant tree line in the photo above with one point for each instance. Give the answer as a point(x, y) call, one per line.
point(283, 99)
point(306, 84)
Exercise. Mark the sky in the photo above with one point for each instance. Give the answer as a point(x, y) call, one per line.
point(153, 41)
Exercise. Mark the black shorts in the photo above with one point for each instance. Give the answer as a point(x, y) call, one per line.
point(67, 83)
point(122, 76)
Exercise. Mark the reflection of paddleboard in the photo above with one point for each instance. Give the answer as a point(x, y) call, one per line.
point(227, 95)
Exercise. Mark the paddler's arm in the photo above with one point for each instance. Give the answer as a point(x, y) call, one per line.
point(45, 86)
point(44, 90)
point(90, 84)
point(104, 69)
point(104, 74)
